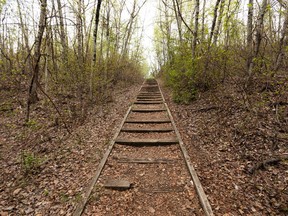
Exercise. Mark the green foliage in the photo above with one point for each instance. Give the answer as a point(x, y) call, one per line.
point(187, 76)
point(30, 162)
point(180, 74)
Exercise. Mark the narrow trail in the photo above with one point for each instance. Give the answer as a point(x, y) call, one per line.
point(146, 169)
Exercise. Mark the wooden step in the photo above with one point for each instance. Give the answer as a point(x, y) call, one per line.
point(147, 121)
point(146, 130)
point(147, 110)
point(150, 96)
point(148, 102)
point(149, 142)
point(149, 93)
point(149, 85)
point(149, 99)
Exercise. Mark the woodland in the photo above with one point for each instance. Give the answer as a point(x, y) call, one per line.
point(69, 70)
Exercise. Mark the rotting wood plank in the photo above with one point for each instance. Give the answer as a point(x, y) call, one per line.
point(140, 142)
point(118, 184)
point(149, 97)
point(147, 121)
point(145, 130)
point(149, 93)
point(82, 203)
point(147, 110)
point(148, 102)
point(150, 86)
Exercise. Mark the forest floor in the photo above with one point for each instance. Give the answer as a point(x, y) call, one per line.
point(44, 170)
point(227, 137)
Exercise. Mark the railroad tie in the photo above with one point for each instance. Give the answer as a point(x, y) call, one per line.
point(148, 121)
point(147, 130)
point(147, 110)
point(146, 142)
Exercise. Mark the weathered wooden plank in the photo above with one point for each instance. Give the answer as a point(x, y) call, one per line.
point(149, 93)
point(118, 184)
point(149, 99)
point(150, 86)
point(147, 121)
point(145, 130)
point(147, 110)
point(140, 142)
point(148, 102)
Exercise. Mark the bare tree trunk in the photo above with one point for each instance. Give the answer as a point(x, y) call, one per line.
point(282, 43)
point(33, 97)
point(196, 28)
point(25, 36)
point(96, 31)
point(216, 34)
point(203, 21)
point(258, 39)
point(97, 15)
point(214, 22)
point(79, 23)
point(250, 34)
point(62, 33)
point(178, 21)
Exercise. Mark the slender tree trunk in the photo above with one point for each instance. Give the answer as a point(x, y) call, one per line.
point(203, 21)
point(25, 36)
point(214, 22)
point(258, 39)
point(218, 27)
point(282, 43)
point(178, 21)
point(79, 23)
point(32, 96)
point(196, 29)
point(62, 33)
point(97, 15)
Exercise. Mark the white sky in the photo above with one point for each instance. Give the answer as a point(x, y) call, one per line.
point(147, 20)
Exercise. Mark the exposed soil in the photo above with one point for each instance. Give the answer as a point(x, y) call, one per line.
point(227, 132)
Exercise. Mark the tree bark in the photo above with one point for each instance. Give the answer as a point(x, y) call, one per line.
point(203, 21)
point(218, 27)
point(214, 22)
point(79, 23)
point(196, 29)
point(62, 33)
point(32, 96)
point(178, 21)
point(258, 39)
point(97, 15)
point(282, 43)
